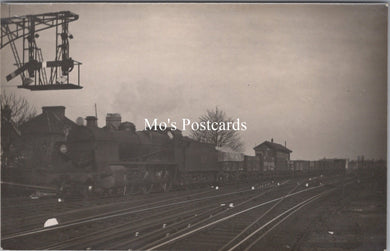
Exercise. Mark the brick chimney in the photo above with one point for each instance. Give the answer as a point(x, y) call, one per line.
point(58, 111)
point(91, 121)
point(113, 120)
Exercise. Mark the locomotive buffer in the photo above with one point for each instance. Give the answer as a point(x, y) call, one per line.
point(31, 66)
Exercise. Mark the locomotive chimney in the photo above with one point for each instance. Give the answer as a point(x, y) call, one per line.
point(272, 140)
point(58, 111)
point(91, 121)
point(113, 121)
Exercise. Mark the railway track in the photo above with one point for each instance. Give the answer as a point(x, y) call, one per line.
point(174, 222)
point(26, 214)
point(113, 216)
point(243, 229)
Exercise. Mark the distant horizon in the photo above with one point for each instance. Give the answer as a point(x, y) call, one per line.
point(314, 75)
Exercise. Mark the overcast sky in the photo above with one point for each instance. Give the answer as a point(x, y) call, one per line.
point(313, 75)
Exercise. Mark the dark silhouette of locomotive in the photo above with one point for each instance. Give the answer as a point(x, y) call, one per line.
point(119, 159)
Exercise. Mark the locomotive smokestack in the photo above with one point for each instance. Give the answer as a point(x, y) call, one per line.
point(91, 121)
point(272, 140)
point(113, 121)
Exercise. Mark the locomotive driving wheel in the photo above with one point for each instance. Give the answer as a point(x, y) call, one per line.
point(147, 188)
point(132, 189)
point(165, 181)
point(166, 186)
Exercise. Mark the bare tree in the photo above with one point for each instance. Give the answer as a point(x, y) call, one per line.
point(21, 110)
point(14, 112)
point(219, 138)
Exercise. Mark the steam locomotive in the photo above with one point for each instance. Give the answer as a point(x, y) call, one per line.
point(124, 161)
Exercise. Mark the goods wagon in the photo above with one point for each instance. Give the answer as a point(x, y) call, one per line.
point(230, 165)
point(252, 168)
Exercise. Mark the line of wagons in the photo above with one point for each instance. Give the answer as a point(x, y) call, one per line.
point(125, 161)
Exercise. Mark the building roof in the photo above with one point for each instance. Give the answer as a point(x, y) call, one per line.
point(49, 121)
point(274, 146)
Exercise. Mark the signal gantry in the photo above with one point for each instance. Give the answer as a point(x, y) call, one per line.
point(37, 74)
